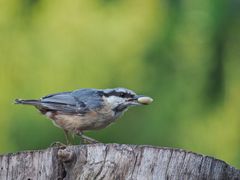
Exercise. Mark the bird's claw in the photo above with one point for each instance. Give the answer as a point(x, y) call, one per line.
point(88, 140)
point(58, 144)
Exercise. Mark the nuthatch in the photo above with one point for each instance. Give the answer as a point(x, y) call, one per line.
point(86, 109)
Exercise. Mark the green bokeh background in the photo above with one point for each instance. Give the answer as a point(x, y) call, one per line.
point(185, 54)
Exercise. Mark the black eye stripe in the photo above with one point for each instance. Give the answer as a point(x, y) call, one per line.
point(118, 94)
point(125, 95)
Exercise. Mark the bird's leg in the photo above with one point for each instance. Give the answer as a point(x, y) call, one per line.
point(67, 137)
point(87, 139)
point(59, 144)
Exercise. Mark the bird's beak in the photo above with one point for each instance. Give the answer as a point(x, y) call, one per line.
point(141, 100)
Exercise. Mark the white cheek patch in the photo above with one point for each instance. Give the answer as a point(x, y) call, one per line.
point(114, 100)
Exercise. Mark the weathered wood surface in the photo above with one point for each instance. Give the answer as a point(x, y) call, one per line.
point(113, 161)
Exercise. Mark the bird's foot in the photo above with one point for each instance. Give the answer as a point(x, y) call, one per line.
point(58, 144)
point(87, 140)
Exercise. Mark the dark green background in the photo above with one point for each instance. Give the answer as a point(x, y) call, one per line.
point(185, 54)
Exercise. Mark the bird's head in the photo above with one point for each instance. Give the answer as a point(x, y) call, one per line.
point(121, 98)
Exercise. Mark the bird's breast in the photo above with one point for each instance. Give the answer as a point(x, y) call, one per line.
point(77, 122)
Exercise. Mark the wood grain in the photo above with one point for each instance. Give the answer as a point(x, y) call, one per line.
point(113, 161)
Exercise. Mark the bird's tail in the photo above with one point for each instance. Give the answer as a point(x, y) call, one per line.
point(27, 102)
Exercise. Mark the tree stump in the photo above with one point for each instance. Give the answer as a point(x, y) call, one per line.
point(113, 161)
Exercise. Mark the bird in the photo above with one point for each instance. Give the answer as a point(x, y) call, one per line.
point(86, 109)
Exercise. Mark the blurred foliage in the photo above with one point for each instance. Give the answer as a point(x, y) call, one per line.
point(185, 54)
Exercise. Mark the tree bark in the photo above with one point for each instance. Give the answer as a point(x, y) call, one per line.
point(113, 161)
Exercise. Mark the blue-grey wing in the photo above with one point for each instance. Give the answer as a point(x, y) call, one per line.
point(64, 97)
point(64, 102)
point(90, 97)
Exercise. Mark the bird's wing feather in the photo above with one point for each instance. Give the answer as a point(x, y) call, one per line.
point(62, 98)
point(90, 97)
point(64, 102)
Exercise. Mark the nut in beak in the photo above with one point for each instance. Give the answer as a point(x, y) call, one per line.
point(144, 100)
